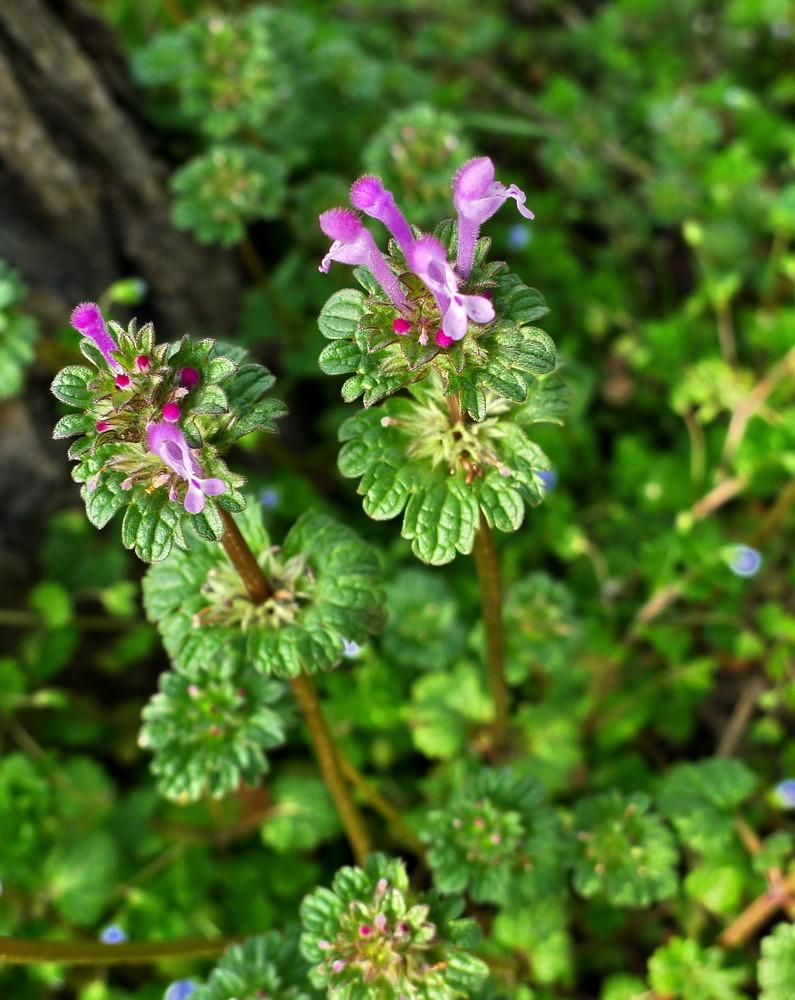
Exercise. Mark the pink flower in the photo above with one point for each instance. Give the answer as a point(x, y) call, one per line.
point(369, 195)
point(189, 377)
point(477, 196)
point(353, 244)
point(87, 319)
point(123, 381)
point(428, 259)
point(171, 412)
point(401, 326)
point(169, 444)
point(142, 363)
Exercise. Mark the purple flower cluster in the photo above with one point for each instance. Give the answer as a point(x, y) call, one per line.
point(476, 195)
point(163, 438)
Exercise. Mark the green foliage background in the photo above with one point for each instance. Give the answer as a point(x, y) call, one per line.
point(657, 147)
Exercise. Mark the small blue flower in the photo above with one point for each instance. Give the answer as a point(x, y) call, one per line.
point(180, 990)
point(519, 236)
point(113, 934)
point(351, 649)
point(744, 561)
point(784, 794)
point(269, 498)
point(549, 478)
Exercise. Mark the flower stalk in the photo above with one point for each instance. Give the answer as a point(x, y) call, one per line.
point(259, 589)
point(490, 583)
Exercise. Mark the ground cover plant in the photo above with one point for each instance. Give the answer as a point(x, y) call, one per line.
point(428, 631)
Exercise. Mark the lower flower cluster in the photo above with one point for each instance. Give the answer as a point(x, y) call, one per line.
point(368, 936)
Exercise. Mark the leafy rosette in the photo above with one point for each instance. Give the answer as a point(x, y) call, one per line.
point(210, 734)
point(266, 966)
point(626, 854)
point(497, 841)
point(152, 422)
point(369, 937)
point(503, 358)
point(419, 455)
point(325, 592)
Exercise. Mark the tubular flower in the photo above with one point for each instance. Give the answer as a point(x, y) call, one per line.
point(369, 195)
point(477, 196)
point(87, 319)
point(353, 244)
point(428, 260)
point(169, 444)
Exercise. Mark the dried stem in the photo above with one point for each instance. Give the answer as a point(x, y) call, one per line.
point(758, 913)
point(488, 570)
point(244, 561)
point(382, 806)
point(17, 951)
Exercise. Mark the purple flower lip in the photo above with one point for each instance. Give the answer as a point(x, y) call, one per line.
point(477, 196)
point(87, 319)
point(169, 444)
point(369, 195)
point(428, 260)
point(353, 244)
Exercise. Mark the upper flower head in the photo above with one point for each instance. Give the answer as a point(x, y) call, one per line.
point(745, 561)
point(369, 195)
point(428, 259)
point(87, 319)
point(353, 244)
point(477, 196)
point(169, 444)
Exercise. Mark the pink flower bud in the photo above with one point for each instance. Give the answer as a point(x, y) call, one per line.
point(123, 381)
point(189, 377)
point(171, 413)
point(380, 921)
point(142, 363)
point(365, 930)
point(442, 339)
point(338, 965)
point(324, 945)
point(401, 326)
point(102, 426)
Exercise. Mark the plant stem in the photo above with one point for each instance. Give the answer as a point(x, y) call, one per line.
point(17, 951)
point(488, 570)
point(329, 763)
point(382, 806)
point(242, 558)
point(259, 590)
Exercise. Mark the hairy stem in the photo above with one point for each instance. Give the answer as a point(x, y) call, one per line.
point(329, 762)
point(259, 589)
point(17, 951)
point(488, 570)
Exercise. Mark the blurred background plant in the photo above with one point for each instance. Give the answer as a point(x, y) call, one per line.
point(651, 622)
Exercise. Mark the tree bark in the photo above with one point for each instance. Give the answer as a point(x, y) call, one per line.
point(83, 193)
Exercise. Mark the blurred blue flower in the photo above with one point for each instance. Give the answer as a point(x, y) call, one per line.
point(549, 478)
point(269, 498)
point(519, 236)
point(180, 990)
point(113, 934)
point(784, 794)
point(351, 649)
point(744, 561)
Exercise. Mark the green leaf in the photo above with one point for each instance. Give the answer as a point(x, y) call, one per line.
point(340, 317)
point(70, 386)
point(72, 424)
point(302, 815)
point(777, 964)
point(682, 968)
point(700, 799)
point(152, 525)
